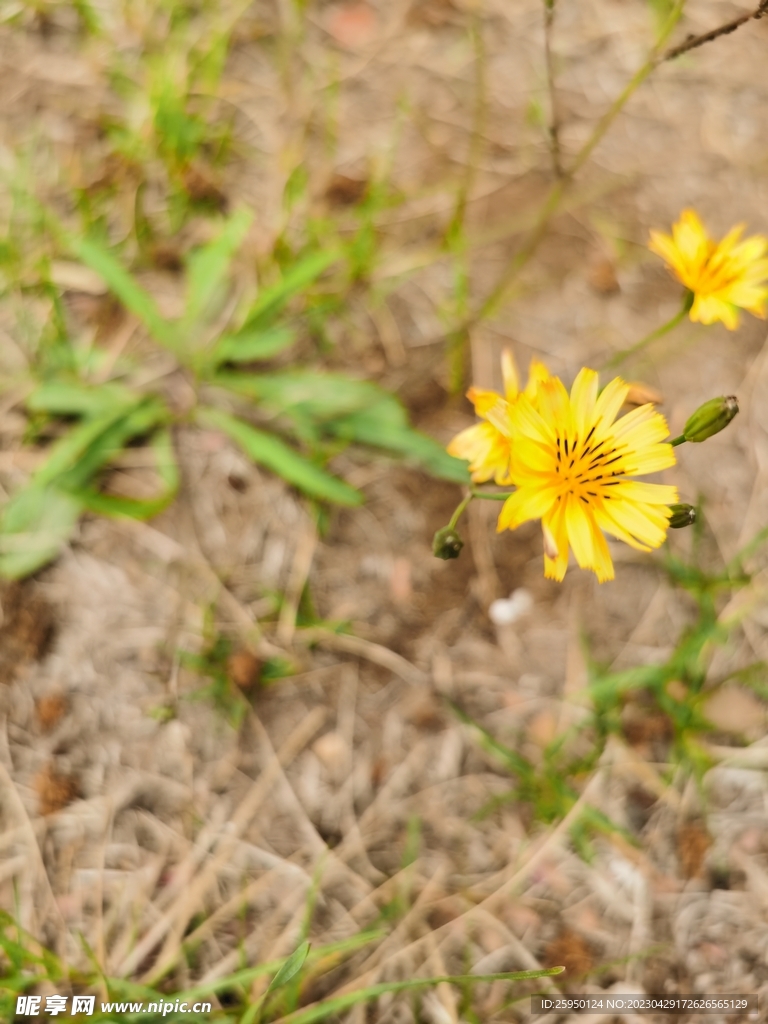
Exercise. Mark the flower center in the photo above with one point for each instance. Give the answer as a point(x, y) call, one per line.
point(586, 468)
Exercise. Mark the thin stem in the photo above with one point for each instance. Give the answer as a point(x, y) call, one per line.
point(521, 258)
point(670, 325)
point(692, 42)
point(456, 227)
point(552, 202)
point(677, 440)
point(490, 496)
point(455, 239)
point(554, 121)
point(636, 80)
point(460, 508)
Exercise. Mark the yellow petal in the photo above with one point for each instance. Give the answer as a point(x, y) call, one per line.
point(509, 375)
point(642, 521)
point(537, 374)
point(527, 420)
point(554, 523)
point(583, 398)
point(651, 494)
point(483, 400)
point(607, 523)
point(554, 405)
point(525, 504)
point(708, 309)
point(583, 535)
point(642, 426)
point(603, 563)
point(610, 401)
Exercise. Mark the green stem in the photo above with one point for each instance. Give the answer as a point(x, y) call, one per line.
point(457, 514)
point(677, 440)
point(492, 497)
point(670, 325)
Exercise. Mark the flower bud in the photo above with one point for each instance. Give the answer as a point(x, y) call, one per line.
point(447, 543)
point(711, 418)
point(682, 515)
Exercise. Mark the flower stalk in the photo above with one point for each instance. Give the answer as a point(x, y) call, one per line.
point(659, 332)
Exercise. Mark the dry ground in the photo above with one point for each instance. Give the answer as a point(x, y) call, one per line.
point(135, 814)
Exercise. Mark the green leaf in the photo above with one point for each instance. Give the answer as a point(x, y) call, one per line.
point(127, 289)
point(61, 398)
point(302, 274)
point(379, 428)
point(207, 268)
point(319, 955)
point(329, 1007)
point(291, 967)
point(268, 450)
point(93, 443)
point(308, 393)
point(35, 524)
point(353, 410)
point(116, 506)
point(66, 453)
point(250, 346)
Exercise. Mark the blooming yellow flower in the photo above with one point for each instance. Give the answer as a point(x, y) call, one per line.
point(572, 464)
point(484, 446)
point(724, 276)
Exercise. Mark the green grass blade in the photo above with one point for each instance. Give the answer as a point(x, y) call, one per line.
point(208, 266)
point(328, 1007)
point(65, 398)
point(68, 451)
point(248, 975)
point(376, 427)
point(291, 967)
point(34, 526)
point(252, 345)
point(272, 300)
point(311, 393)
point(126, 288)
point(269, 451)
point(118, 507)
point(353, 410)
point(103, 445)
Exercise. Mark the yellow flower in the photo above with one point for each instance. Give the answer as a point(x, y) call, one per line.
point(724, 276)
point(572, 466)
point(484, 446)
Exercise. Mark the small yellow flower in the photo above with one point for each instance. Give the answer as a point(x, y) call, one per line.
point(484, 446)
point(724, 276)
point(572, 466)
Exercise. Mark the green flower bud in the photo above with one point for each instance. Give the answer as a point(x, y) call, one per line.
point(711, 418)
point(682, 515)
point(447, 543)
